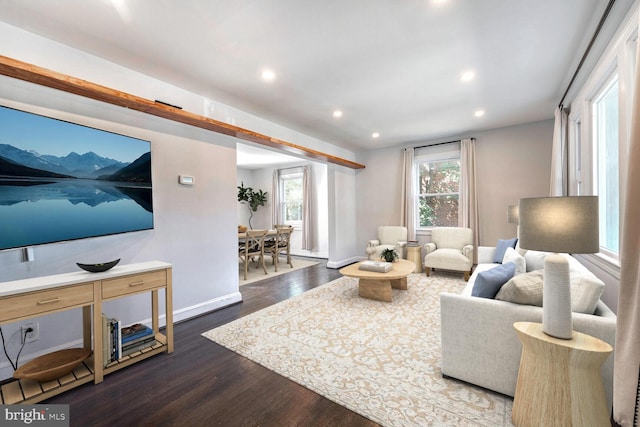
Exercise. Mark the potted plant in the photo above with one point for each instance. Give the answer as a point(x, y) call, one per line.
point(253, 199)
point(389, 255)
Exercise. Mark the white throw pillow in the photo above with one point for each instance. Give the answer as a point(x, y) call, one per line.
point(511, 255)
point(535, 260)
point(586, 290)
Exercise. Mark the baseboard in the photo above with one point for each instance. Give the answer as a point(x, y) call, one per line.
point(342, 263)
point(206, 306)
point(310, 254)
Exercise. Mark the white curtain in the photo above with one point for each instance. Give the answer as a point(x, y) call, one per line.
point(307, 242)
point(468, 204)
point(559, 160)
point(627, 349)
point(276, 212)
point(408, 191)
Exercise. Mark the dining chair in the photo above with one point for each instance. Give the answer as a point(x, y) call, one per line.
point(280, 245)
point(251, 247)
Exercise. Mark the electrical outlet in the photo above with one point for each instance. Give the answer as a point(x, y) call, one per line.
point(32, 336)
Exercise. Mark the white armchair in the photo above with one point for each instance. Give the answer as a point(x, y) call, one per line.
point(451, 248)
point(389, 237)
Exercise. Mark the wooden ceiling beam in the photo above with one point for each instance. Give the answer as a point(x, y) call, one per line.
point(34, 74)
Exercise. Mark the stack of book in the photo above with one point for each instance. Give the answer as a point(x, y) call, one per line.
point(377, 266)
point(120, 342)
point(110, 339)
point(136, 337)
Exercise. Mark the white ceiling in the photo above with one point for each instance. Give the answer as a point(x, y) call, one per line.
point(391, 66)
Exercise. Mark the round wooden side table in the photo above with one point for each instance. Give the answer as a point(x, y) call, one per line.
point(414, 254)
point(559, 381)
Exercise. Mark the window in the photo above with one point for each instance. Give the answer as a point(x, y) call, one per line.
point(605, 138)
point(292, 197)
point(602, 114)
point(438, 189)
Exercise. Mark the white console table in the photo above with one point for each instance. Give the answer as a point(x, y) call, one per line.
point(28, 298)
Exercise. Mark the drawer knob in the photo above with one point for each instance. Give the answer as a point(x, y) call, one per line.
point(49, 301)
point(133, 284)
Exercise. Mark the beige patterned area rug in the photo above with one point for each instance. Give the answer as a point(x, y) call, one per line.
point(379, 359)
point(254, 274)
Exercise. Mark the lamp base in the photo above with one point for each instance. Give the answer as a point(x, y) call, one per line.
point(556, 298)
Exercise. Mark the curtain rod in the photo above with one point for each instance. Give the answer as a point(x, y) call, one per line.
point(439, 143)
point(586, 52)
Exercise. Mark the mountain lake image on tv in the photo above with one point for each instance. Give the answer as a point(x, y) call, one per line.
point(64, 181)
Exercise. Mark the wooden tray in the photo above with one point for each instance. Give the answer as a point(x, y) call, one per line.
point(53, 365)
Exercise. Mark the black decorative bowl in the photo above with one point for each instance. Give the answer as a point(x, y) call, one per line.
point(98, 268)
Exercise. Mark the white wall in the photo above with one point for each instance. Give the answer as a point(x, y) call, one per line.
point(343, 221)
point(195, 227)
point(186, 221)
point(512, 163)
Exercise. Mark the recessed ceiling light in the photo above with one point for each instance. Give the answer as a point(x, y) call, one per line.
point(479, 113)
point(375, 135)
point(467, 76)
point(337, 114)
point(268, 75)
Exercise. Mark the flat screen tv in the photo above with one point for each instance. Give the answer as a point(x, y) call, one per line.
point(63, 181)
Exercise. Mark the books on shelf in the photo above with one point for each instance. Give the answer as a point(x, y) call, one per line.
point(119, 342)
point(376, 266)
point(412, 243)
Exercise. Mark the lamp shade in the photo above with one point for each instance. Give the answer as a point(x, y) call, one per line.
point(513, 216)
point(560, 224)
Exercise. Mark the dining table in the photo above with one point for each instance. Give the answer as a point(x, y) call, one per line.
point(243, 235)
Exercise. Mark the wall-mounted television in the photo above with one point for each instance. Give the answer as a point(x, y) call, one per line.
point(63, 181)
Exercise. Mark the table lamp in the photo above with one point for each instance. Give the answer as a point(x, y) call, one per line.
point(559, 225)
point(513, 215)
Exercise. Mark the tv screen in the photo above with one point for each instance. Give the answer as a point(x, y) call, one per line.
point(63, 181)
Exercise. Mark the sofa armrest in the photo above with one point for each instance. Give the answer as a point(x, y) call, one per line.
point(485, 254)
point(429, 247)
point(479, 344)
point(468, 252)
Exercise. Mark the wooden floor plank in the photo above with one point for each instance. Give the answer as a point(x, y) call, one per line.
point(204, 384)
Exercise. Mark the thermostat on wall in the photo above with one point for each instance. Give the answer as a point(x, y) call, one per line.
point(186, 179)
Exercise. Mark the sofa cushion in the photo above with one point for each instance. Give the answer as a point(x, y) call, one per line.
point(501, 248)
point(511, 255)
point(489, 282)
point(535, 259)
point(448, 259)
point(523, 289)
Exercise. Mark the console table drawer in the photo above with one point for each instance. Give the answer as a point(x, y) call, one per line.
point(45, 301)
point(133, 284)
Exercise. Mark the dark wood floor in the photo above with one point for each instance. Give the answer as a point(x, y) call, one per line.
point(204, 384)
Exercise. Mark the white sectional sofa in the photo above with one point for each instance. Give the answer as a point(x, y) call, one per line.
point(479, 343)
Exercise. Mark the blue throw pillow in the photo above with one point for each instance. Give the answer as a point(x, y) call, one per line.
point(501, 248)
point(489, 282)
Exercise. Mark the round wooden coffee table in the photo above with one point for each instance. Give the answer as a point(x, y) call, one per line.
point(378, 286)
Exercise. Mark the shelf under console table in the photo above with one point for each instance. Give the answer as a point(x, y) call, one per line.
point(28, 298)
